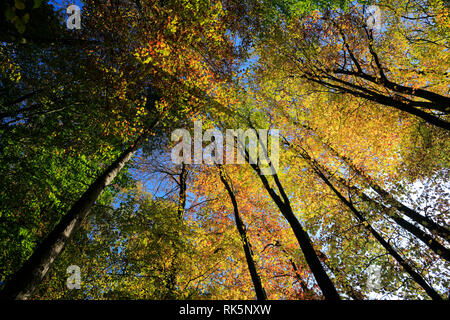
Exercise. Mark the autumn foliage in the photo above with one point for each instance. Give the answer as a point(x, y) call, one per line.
point(86, 118)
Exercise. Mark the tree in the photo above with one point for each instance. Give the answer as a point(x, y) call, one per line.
point(259, 289)
point(338, 51)
point(361, 177)
point(25, 280)
point(417, 277)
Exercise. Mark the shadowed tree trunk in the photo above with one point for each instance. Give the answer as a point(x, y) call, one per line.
point(182, 193)
point(22, 284)
point(359, 91)
point(283, 203)
point(174, 270)
point(425, 222)
point(415, 275)
point(257, 284)
point(427, 239)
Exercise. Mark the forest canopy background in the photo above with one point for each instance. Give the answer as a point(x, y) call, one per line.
point(86, 117)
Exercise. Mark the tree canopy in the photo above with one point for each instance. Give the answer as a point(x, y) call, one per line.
point(359, 178)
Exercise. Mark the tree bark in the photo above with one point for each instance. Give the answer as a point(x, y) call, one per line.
point(28, 277)
point(437, 102)
point(257, 284)
point(425, 222)
point(324, 282)
point(428, 240)
point(416, 276)
point(182, 193)
point(362, 92)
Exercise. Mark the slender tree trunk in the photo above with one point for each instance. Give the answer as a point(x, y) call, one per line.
point(416, 276)
point(436, 101)
point(173, 270)
point(425, 222)
point(182, 193)
point(324, 282)
point(428, 240)
point(16, 101)
point(257, 284)
point(27, 278)
point(359, 91)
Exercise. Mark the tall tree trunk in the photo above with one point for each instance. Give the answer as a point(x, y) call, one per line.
point(425, 222)
point(182, 193)
point(427, 239)
point(416, 276)
point(283, 203)
point(435, 101)
point(27, 278)
point(257, 284)
point(173, 270)
point(362, 92)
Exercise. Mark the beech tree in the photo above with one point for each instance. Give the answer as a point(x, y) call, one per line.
point(359, 181)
